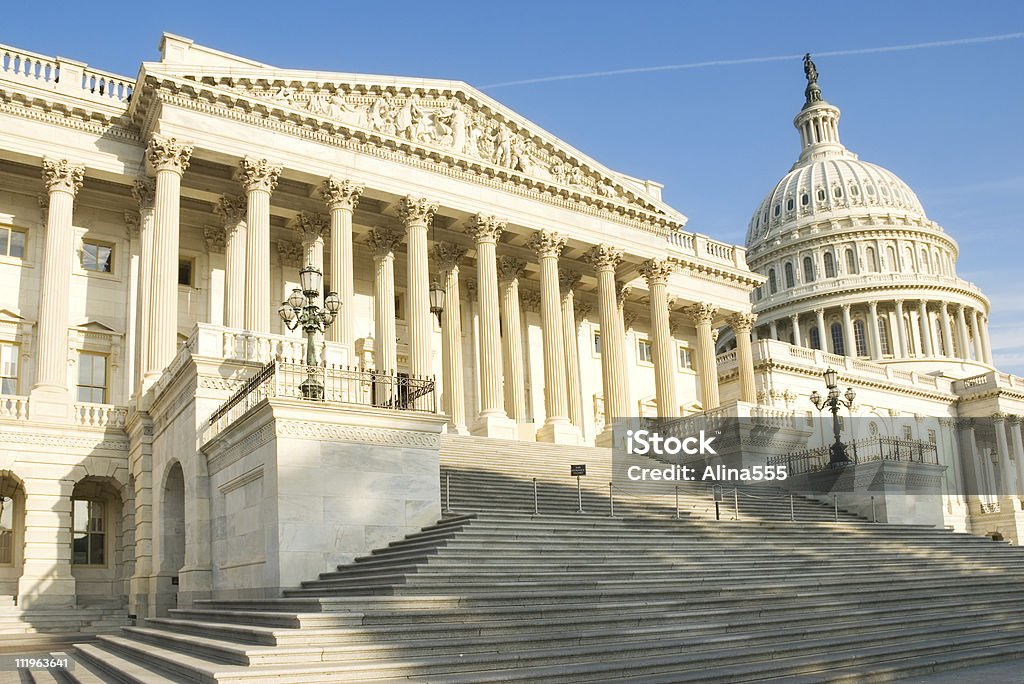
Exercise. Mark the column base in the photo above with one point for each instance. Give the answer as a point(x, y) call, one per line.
point(527, 432)
point(497, 426)
point(46, 592)
point(450, 429)
point(605, 438)
point(49, 405)
point(559, 432)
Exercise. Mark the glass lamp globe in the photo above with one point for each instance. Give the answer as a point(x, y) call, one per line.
point(830, 378)
point(436, 295)
point(850, 395)
point(332, 302)
point(296, 299)
point(286, 312)
point(311, 279)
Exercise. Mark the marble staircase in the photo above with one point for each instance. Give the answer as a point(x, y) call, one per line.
point(493, 593)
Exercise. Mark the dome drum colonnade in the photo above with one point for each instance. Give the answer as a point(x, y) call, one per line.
point(836, 237)
point(248, 304)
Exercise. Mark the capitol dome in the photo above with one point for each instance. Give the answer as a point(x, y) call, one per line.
point(853, 265)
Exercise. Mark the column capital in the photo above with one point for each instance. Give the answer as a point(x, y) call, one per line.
point(510, 268)
point(742, 322)
point(309, 225)
point(131, 222)
point(167, 154)
point(485, 228)
point(60, 175)
point(873, 305)
point(1014, 419)
point(702, 313)
point(568, 280)
point(258, 174)
point(231, 207)
point(547, 243)
point(898, 302)
point(340, 193)
point(383, 240)
point(416, 211)
point(965, 424)
point(144, 192)
point(290, 253)
point(530, 300)
point(819, 312)
point(448, 255)
point(216, 239)
point(846, 307)
point(657, 271)
point(582, 309)
point(998, 417)
point(622, 292)
point(604, 257)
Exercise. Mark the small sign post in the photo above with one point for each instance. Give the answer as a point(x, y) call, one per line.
point(578, 471)
point(718, 495)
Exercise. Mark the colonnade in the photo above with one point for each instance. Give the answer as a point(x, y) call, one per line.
point(909, 328)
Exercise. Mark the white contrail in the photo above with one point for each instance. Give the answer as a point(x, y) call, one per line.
point(756, 60)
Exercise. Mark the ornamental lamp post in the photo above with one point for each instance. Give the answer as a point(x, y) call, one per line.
point(837, 452)
point(301, 309)
point(436, 300)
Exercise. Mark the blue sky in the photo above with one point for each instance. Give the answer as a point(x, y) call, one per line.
point(945, 119)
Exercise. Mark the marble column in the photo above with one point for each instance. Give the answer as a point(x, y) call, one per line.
point(794, 324)
point(453, 400)
point(492, 421)
point(1017, 450)
point(1007, 471)
point(557, 428)
point(924, 323)
point(979, 350)
point(341, 197)
point(567, 283)
point(703, 314)
point(233, 209)
point(510, 269)
point(947, 329)
point(385, 346)
point(605, 258)
point(309, 229)
point(986, 344)
point(50, 398)
point(773, 329)
point(973, 468)
point(259, 178)
point(416, 213)
point(819, 317)
point(144, 193)
point(873, 334)
point(622, 292)
point(742, 324)
point(901, 329)
point(962, 337)
point(849, 338)
point(168, 159)
point(656, 272)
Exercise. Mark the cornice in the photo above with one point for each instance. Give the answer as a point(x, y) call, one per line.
point(832, 297)
point(771, 364)
point(253, 110)
point(42, 111)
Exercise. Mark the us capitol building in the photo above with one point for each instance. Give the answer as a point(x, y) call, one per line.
point(157, 442)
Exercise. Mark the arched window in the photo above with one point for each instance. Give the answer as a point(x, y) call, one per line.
point(815, 337)
point(808, 269)
point(788, 270)
point(883, 335)
point(872, 259)
point(772, 285)
point(830, 265)
point(851, 261)
point(924, 261)
point(860, 338)
point(908, 261)
point(838, 345)
point(89, 531)
point(890, 256)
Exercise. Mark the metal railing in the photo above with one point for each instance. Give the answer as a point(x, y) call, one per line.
point(341, 385)
point(860, 451)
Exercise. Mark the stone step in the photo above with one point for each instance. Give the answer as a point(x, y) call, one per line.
point(109, 665)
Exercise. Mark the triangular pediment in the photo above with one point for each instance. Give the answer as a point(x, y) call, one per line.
point(449, 120)
point(8, 316)
point(96, 326)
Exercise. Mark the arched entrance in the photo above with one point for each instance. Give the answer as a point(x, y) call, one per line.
point(12, 535)
point(98, 526)
point(172, 538)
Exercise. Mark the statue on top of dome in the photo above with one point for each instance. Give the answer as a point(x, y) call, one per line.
point(813, 92)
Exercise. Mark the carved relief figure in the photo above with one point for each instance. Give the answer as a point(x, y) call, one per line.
point(455, 120)
point(409, 121)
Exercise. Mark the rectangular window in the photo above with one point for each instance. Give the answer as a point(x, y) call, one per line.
point(685, 359)
point(12, 242)
point(6, 530)
point(92, 378)
point(185, 269)
point(907, 432)
point(597, 343)
point(97, 256)
point(644, 351)
point(932, 437)
point(8, 368)
point(89, 534)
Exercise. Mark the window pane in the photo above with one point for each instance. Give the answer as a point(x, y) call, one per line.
point(105, 255)
point(89, 257)
point(96, 556)
point(185, 272)
point(80, 549)
point(17, 248)
point(6, 546)
point(6, 512)
point(4, 239)
point(96, 516)
point(84, 369)
point(81, 515)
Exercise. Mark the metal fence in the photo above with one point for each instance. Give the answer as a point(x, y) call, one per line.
point(860, 451)
point(337, 385)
